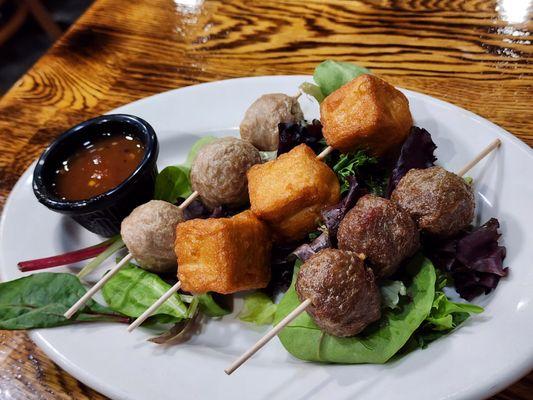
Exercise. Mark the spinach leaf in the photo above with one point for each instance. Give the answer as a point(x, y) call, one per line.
point(330, 75)
point(40, 300)
point(304, 340)
point(173, 182)
point(132, 290)
point(258, 309)
point(210, 307)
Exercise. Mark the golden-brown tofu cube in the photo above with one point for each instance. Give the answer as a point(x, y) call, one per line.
point(366, 113)
point(289, 192)
point(223, 255)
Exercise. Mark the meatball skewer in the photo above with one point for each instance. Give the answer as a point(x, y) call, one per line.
point(307, 302)
point(382, 117)
point(229, 158)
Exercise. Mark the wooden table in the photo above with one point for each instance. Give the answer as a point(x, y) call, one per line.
point(474, 55)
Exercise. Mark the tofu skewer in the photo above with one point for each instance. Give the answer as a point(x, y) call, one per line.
point(223, 255)
point(306, 303)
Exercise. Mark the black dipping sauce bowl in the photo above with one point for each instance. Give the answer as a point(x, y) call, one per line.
point(101, 214)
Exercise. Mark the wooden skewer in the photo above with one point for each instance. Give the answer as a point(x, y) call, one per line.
point(150, 310)
point(324, 153)
point(301, 308)
point(482, 154)
point(91, 292)
point(265, 339)
point(188, 200)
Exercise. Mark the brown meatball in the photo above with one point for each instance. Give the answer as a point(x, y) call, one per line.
point(218, 172)
point(380, 230)
point(260, 123)
point(440, 202)
point(149, 233)
point(344, 296)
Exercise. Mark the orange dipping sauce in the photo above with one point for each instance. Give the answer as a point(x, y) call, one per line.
point(100, 165)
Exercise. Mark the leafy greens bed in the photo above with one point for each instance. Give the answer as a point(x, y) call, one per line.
point(416, 310)
point(423, 315)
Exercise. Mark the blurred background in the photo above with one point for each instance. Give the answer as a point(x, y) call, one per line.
point(28, 28)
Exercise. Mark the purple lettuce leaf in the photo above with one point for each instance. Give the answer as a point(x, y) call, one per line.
point(480, 251)
point(291, 135)
point(306, 250)
point(333, 215)
point(197, 209)
point(416, 152)
point(282, 262)
point(473, 258)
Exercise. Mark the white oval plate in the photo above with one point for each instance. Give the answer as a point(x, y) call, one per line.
point(486, 354)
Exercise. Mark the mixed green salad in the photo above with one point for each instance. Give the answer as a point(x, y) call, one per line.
point(416, 308)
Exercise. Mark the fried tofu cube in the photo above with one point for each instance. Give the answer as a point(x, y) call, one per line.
point(366, 113)
point(290, 192)
point(223, 255)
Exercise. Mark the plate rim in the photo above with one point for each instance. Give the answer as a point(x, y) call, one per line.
point(109, 390)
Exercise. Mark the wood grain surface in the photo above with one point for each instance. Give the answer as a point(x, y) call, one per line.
point(475, 54)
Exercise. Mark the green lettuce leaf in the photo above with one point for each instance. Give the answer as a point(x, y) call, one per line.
point(210, 307)
point(258, 309)
point(312, 90)
point(40, 300)
point(132, 290)
point(348, 165)
point(331, 75)
point(445, 316)
point(378, 343)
